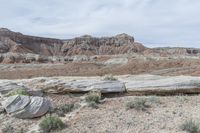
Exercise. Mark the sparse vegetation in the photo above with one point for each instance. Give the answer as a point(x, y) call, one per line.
point(93, 105)
point(11, 129)
point(93, 97)
point(51, 123)
point(138, 104)
point(153, 100)
point(190, 126)
point(62, 110)
point(109, 77)
point(19, 91)
point(67, 107)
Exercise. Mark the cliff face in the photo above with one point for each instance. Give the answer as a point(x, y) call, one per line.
point(17, 42)
point(14, 42)
point(86, 45)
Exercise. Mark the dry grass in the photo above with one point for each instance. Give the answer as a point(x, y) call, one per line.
point(93, 97)
point(51, 123)
point(191, 126)
point(138, 104)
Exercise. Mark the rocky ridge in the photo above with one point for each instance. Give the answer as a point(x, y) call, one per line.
point(18, 48)
point(85, 45)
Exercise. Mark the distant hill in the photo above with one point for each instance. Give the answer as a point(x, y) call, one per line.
point(16, 42)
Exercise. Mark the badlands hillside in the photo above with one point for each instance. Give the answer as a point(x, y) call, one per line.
point(23, 56)
point(96, 85)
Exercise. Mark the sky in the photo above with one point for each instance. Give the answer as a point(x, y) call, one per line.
point(155, 23)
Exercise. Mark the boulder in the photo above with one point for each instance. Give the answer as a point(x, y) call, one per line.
point(26, 107)
point(15, 103)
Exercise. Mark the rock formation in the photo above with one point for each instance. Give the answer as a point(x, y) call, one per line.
point(85, 45)
point(25, 107)
point(88, 45)
point(133, 84)
point(18, 48)
point(19, 43)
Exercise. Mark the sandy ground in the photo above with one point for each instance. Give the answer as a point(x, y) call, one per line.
point(165, 67)
point(165, 115)
point(112, 117)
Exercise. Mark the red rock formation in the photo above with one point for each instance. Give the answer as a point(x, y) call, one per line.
point(17, 42)
point(84, 45)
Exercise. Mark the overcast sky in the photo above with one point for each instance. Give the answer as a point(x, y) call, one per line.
point(152, 22)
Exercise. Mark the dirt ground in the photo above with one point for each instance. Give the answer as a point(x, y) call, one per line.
point(170, 67)
point(164, 115)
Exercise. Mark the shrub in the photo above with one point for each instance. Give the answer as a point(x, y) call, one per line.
point(190, 126)
point(51, 123)
point(93, 97)
point(19, 91)
point(67, 107)
point(138, 104)
point(64, 109)
point(109, 78)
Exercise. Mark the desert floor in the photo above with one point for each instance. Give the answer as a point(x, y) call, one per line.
point(164, 115)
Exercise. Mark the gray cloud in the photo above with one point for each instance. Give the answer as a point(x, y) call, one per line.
point(153, 22)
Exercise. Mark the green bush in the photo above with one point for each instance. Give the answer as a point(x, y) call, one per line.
point(109, 78)
point(93, 97)
point(138, 104)
point(19, 91)
point(51, 123)
point(190, 126)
